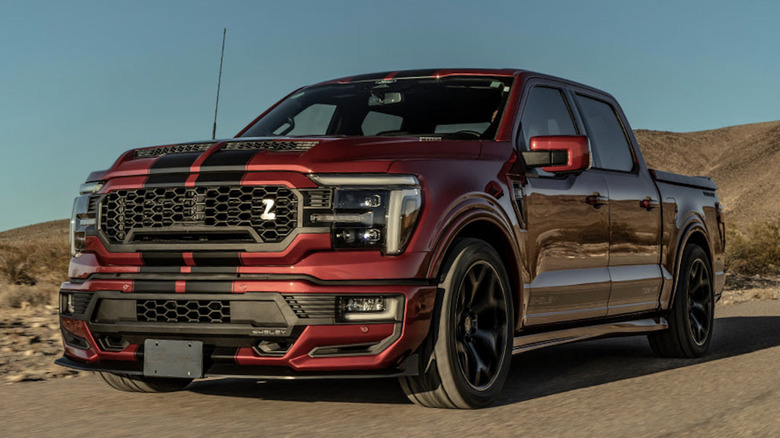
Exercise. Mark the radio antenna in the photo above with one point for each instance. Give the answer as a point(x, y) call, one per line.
point(219, 84)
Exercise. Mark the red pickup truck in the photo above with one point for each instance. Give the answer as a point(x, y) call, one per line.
point(419, 224)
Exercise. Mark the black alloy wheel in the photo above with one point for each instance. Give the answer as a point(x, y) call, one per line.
point(465, 360)
point(699, 302)
point(692, 315)
point(480, 329)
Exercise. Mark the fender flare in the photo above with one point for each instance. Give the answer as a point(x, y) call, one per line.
point(462, 215)
point(694, 226)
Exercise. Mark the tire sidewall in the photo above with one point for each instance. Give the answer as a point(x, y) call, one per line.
point(462, 394)
point(681, 314)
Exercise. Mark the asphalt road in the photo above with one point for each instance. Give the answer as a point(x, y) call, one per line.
point(613, 387)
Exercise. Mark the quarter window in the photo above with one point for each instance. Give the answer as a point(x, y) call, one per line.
point(608, 140)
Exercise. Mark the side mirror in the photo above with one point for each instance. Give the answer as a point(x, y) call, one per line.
point(558, 153)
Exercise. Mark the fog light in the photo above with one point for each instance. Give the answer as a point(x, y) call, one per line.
point(370, 308)
point(364, 304)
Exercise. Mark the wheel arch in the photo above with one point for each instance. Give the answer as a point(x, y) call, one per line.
point(695, 233)
point(484, 225)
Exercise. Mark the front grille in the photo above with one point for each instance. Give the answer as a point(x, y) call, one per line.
point(175, 149)
point(183, 311)
point(270, 145)
point(171, 209)
point(312, 305)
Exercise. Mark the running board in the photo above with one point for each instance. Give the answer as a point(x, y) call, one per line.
point(539, 340)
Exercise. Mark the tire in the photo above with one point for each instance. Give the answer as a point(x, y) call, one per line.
point(466, 357)
point(131, 383)
point(691, 318)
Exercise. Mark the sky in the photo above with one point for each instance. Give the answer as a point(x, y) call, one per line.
point(83, 81)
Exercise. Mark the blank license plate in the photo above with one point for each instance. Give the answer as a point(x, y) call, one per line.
point(164, 358)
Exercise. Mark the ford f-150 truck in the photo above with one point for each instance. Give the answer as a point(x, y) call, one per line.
point(419, 224)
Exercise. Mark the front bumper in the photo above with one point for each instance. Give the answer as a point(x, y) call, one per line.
point(278, 329)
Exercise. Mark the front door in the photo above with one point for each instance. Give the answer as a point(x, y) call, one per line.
point(567, 224)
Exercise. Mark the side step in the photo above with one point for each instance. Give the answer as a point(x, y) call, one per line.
point(546, 339)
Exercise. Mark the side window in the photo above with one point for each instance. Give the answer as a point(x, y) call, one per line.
point(377, 123)
point(608, 141)
point(313, 120)
point(545, 113)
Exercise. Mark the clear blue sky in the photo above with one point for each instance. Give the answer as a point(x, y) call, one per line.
point(81, 82)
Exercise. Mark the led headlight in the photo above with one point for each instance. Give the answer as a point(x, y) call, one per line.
point(84, 216)
point(371, 211)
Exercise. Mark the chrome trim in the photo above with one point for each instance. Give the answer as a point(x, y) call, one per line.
point(364, 180)
point(532, 342)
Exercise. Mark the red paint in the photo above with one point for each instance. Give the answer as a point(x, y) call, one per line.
point(575, 146)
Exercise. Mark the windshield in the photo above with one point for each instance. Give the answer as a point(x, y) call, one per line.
point(467, 107)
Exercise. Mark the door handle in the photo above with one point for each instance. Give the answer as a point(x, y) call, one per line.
point(596, 200)
point(649, 203)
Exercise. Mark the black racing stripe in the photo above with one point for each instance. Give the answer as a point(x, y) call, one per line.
point(216, 258)
point(147, 286)
point(219, 178)
point(208, 287)
point(174, 163)
point(166, 179)
point(162, 259)
point(227, 159)
point(415, 73)
point(370, 77)
point(160, 269)
point(213, 269)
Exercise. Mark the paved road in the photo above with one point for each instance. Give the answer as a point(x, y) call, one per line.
point(594, 388)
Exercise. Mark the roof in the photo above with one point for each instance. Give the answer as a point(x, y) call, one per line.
point(424, 73)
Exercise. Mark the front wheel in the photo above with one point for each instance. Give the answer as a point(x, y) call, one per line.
point(691, 317)
point(466, 358)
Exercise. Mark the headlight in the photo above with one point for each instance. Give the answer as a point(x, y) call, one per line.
point(371, 211)
point(84, 216)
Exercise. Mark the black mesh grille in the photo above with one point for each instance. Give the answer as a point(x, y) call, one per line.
point(270, 145)
point(312, 305)
point(176, 149)
point(183, 311)
point(222, 207)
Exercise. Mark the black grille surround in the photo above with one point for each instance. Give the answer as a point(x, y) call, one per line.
point(193, 311)
point(218, 209)
point(313, 306)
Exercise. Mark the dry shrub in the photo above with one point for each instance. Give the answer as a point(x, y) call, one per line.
point(23, 296)
point(756, 251)
point(31, 262)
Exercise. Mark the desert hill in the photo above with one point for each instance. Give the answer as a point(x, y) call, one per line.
point(57, 230)
point(744, 160)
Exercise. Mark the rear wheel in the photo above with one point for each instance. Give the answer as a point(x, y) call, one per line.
point(466, 357)
point(691, 318)
point(131, 383)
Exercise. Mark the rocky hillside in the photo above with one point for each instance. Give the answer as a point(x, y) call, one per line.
point(744, 160)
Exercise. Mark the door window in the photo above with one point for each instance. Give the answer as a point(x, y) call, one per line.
point(608, 140)
point(545, 113)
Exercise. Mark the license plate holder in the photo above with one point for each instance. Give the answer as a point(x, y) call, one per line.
point(171, 358)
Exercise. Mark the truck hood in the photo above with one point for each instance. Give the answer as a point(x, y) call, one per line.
point(302, 155)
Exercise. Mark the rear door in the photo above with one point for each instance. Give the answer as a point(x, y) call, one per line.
point(567, 241)
point(635, 214)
